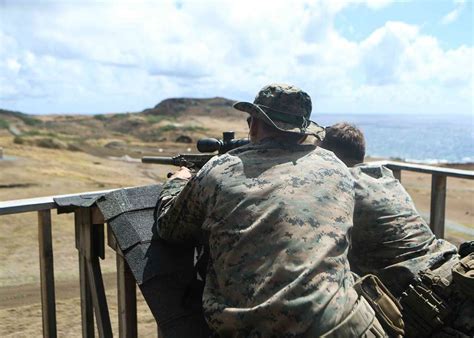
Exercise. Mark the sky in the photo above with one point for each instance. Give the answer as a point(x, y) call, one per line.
point(374, 56)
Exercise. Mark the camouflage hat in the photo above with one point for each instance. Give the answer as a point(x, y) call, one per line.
point(285, 107)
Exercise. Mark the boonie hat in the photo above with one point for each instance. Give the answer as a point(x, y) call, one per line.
point(284, 107)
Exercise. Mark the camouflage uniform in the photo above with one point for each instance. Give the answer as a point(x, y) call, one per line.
point(391, 240)
point(276, 218)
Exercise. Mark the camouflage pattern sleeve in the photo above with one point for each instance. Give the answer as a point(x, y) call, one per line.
point(179, 215)
point(389, 237)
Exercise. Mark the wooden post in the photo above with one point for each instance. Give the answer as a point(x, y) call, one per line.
point(92, 285)
point(438, 204)
point(98, 299)
point(397, 173)
point(48, 298)
point(126, 292)
point(127, 299)
point(89, 247)
point(87, 315)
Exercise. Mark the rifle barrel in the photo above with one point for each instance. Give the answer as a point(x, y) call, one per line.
point(159, 160)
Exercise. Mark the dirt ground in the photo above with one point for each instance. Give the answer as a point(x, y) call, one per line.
point(32, 172)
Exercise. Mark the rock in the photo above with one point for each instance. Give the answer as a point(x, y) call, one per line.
point(50, 143)
point(115, 145)
point(73, 147)
point(184, 139)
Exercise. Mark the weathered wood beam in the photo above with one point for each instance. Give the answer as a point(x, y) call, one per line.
point(127, 299)
point(38, 203)
point(90, 247)
point(87, 314)
point(48, 297)
point(397, 173)
point(438, 204)
point(427, 169)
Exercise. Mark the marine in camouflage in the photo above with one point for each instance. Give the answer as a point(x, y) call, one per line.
point(390, 239)
point(276, 218)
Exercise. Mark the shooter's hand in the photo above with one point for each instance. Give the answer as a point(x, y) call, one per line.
point(183, 173)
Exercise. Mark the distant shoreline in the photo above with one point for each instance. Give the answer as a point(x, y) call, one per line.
point(453, 165)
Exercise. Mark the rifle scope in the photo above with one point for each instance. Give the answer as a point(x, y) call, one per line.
point(209, 145)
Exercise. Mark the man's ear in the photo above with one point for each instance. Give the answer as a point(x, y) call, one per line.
point(254, 127)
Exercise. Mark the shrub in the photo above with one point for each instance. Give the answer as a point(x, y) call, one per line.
point(100, 117)
point(195, 128)
point(168, 127)
point(4, 124)
point(122, 115)
point(151, 119)
point(18, 140)
point(73, 147)
point(50, 143)
point(30, 121)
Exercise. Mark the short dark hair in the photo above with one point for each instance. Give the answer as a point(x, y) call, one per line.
point(346, 141)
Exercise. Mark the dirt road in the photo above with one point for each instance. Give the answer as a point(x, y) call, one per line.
point(28, 294)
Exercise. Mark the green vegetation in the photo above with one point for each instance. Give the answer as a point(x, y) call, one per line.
point(173, 127)
point(122, 116)
point(158, 118)
point(195, 128)
point(40, 133)
point(168, 127)
point(30, 121)
point(50, 143)
point(100, 117)
point(18, 140)
point(73, 147)
point(32, 133)
point(4, 124)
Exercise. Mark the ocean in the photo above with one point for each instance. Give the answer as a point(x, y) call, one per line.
point(419, 138)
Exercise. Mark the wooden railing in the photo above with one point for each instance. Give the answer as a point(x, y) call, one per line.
point(89, 235)
point(89, 238)
point(439, 177)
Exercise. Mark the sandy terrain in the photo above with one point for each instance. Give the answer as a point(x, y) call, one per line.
point(32, 172)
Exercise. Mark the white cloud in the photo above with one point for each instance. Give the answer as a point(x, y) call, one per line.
point(126, 56)
point(399, 53)
point(454, 14)
point(377, 4)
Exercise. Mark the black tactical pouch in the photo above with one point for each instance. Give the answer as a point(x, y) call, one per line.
point(424, 312)
point(433, 300)
point(466, 248)
point(385, 305)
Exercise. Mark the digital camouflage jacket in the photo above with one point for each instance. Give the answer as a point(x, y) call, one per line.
point(389, 237)
point(276, 219)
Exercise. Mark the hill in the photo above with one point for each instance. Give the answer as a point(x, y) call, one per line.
point(171, 124)
point(217, 107)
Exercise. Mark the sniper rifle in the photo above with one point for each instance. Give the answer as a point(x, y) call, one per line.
point(207, 146)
